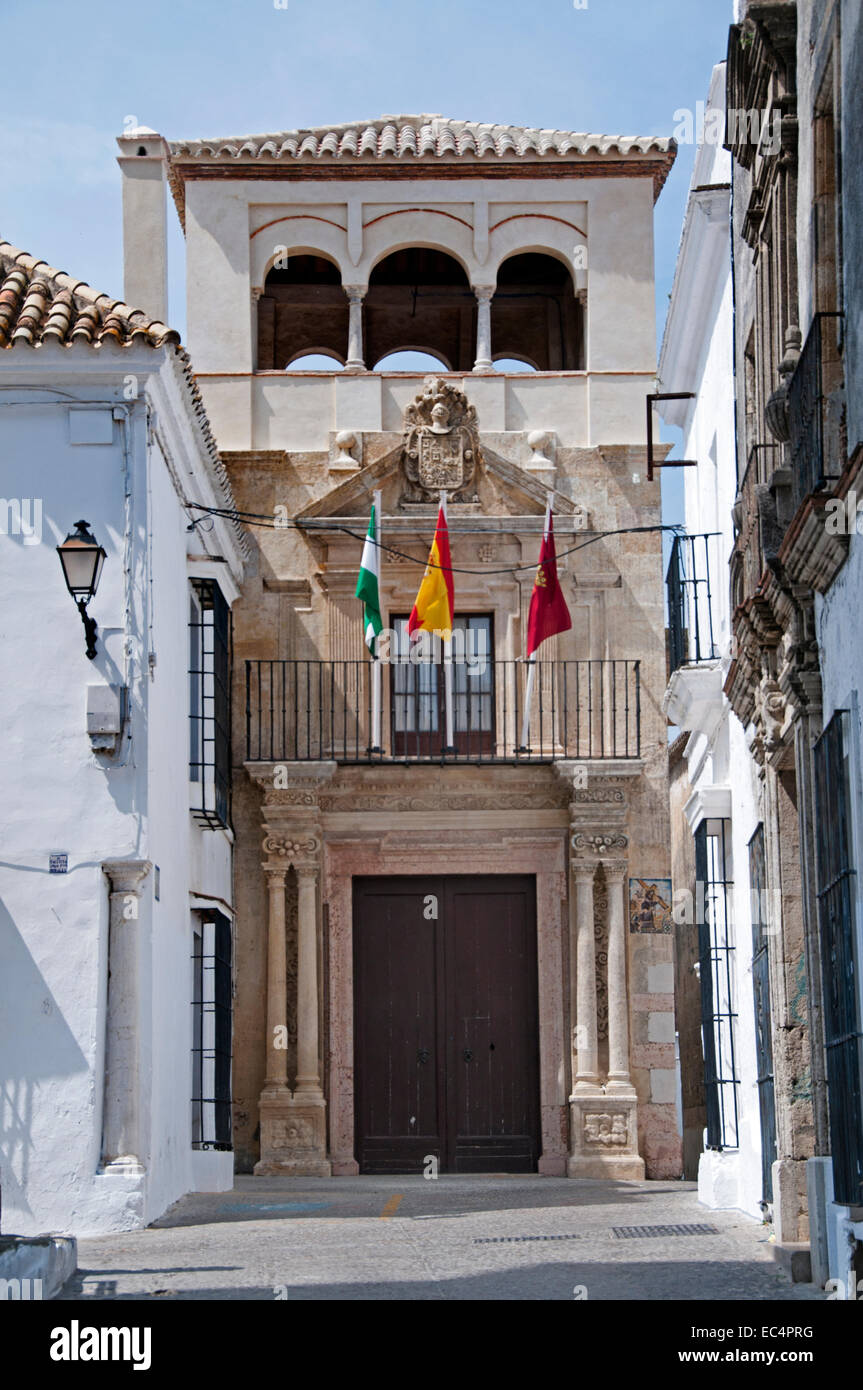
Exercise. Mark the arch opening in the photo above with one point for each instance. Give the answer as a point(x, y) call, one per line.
point(422, 297)
point(316, 360)
point(303, 310)
point(409, 359)
point(535, 316)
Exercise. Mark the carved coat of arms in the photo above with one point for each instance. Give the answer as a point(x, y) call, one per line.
point(441, 449)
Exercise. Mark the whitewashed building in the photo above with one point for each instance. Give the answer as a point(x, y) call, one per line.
point(715, 958)
point(115, 870)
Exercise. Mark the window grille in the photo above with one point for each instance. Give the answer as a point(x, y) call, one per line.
point(211, 1032)
point(209, 704)
point(716, 956)
point(763, 1024)
point(836, 881)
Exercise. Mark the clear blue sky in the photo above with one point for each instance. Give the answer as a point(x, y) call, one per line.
point(73, 73)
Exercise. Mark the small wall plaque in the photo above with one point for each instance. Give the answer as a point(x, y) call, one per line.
point(157, 887)
point(58, 862)
point(650, 905)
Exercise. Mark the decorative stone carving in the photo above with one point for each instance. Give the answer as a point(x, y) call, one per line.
point(583, 843)
point(441, 449)
point(606, 1129)
point(291, 797)
point(292, 851)
point(486, 553)
point(600, 934)
point(604, 1138)
point(465, 802)
point(539, 443)
point(344, 461)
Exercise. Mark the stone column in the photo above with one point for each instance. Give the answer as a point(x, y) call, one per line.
point(483, 361)
point(603, 1117)
point(619, 1081)
point(356, 294)
point(308, 1080)
point(277, 999)
point(293, 1122)
point(122, 1139)
point(583, 946)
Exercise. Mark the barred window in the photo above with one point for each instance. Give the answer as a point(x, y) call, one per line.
point(836, 887)
point(716, 956)
point(209, 704)
point(211, 1032)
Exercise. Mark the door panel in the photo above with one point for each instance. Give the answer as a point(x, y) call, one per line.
point(492, 1025)
point(396, 965)
point(446, 1024)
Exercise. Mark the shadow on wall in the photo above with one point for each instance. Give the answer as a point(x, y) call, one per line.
point(38, 1045)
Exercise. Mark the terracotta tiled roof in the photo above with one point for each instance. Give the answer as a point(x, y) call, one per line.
point(420, 137)
point(39, 304)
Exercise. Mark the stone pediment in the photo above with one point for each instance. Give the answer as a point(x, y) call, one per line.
point(440, 449)
point(506, 489)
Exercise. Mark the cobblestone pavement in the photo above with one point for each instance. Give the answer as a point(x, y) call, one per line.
point(453, 1238)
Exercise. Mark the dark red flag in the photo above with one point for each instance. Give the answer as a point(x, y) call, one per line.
point(548, 611)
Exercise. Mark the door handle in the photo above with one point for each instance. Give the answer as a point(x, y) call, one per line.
point(422, 1055)
point(467, 1054)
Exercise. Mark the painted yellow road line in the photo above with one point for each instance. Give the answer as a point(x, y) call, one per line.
point(392, 1206)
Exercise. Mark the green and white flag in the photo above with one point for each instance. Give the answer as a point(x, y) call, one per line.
point(368, 586)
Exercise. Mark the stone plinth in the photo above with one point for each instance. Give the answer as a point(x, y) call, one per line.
point(604, 1138)
point(293, 1137)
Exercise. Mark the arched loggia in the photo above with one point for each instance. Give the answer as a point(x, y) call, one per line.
point(535, 316)
point(303, 309)
point(422, 297)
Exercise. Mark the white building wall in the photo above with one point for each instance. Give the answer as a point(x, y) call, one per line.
point(697, 356)
point(61, 796)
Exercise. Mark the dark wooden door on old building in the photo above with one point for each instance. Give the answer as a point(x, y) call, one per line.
point(446, 1024)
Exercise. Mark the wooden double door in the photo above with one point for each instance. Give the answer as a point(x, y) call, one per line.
point(446, 1056)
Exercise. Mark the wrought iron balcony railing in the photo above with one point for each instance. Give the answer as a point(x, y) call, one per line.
point(310, 711)
point(812, 410)
point(691, 634)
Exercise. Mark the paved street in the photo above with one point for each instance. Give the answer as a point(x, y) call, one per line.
point(454, 1238)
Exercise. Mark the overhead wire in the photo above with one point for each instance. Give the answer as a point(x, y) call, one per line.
point(266, 522)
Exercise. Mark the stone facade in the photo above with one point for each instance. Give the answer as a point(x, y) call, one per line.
point(587, 806)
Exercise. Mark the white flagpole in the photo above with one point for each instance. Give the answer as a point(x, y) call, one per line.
point(528, 701)
point(376, 663)
point(531, 674)
point(447, 668)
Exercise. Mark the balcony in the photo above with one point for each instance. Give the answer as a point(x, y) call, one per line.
point(815, 410)
point(318, 711)
point(691, 636)
point(693, 699)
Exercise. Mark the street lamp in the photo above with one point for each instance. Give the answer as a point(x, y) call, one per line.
point(82, 558)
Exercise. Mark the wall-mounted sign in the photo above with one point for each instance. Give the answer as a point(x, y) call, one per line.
point(58, 862)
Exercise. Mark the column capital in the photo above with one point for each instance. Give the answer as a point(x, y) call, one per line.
point(283, 852)
point(307, 869)
point(126, 875)
point(615, 870)
point(588, 842)
point(583, 870)
point(276, 874)
point(356, 293)
point(484, 293)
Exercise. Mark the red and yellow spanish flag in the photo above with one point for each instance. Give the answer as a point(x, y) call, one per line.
point(435, 603)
